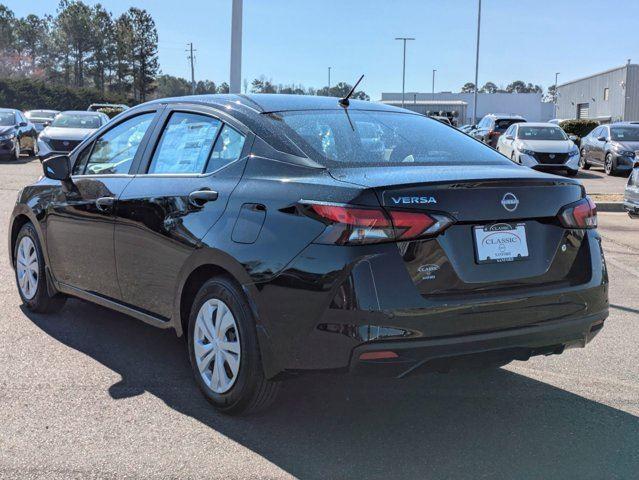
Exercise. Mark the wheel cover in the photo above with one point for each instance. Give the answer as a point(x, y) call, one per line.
point(216, 345)
point(17, 149)
point(27, 268)
point(608, 164)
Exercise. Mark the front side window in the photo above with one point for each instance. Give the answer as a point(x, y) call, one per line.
point(359, 138)
point(185, 144)
point(625, 134)
point(113, 152)
point(77, 120)
point(541, 133)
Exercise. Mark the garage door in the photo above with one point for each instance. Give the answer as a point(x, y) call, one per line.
point(583, 110)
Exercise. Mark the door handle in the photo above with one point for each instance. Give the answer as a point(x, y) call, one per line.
point(105, 204)
point(199, 197)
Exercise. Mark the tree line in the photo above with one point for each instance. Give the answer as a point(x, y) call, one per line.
point(517, 86)
point(82, 46)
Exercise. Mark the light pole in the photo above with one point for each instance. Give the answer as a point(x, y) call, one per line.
point(236, 48)
point(329, 79)
point(476, 66)
point(404, 39)
point(556, 76)
point(434, 83)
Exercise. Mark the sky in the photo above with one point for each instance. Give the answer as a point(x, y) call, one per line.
point(295, 41)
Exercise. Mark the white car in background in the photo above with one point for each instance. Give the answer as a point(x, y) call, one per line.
point(67, 130)
point(542, 146)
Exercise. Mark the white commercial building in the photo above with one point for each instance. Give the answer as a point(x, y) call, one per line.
point(528, 105)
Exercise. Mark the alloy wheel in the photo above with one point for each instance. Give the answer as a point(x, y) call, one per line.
point(27, 268)
point(17, 149)
point(608, 165)
point(216, 345)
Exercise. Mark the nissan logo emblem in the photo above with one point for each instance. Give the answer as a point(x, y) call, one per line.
point(510, 202)
point(552, 155)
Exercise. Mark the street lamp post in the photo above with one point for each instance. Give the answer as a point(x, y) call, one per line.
point(404, 39)
point(477, 66)
point(433, 93)
point(556, 76)
point(236, 48)
point(329, 78)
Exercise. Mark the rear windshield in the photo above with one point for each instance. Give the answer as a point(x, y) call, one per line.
point(502, 124)
point(541, 133)
point(76, 120)
point(625, 134)
point(40, 114)
point(356, 137)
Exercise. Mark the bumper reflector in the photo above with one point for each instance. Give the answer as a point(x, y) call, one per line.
point(378, 355)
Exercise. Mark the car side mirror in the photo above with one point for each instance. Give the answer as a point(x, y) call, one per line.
point(573, 137)
point(22, 124)
point(601, 138)
point(57, 168)
point(509, 137)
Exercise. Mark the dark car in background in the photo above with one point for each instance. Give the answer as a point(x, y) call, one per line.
point(276, 234)
point(614, 147)
point(492, 126)
point(67, 130)
point(17, 134)
point(631, 195)
point(41, 118)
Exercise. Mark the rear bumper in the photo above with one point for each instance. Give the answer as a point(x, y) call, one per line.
point(366, 301)
point(483, 348)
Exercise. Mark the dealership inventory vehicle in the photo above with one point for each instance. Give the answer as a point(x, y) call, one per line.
point(67, 130)
point(17, 134)
point(631, 195)
point(279, 239)
point(41, 118)
point(542, 146)
point(612, 146)
point(490, 128)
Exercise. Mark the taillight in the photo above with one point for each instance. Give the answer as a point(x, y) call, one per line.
point(348, 225)
point(581, 214)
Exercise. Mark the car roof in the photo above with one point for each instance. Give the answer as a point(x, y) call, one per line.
point(81, 112)
point(624, 124)
point(540, 124)
point(268, 102)
point(14, 110)
point(505, 116)
point(42, 110)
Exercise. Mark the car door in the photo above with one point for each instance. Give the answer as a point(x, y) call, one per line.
point(23, 132)
point(181, 190)
point(80, 219)
point(597, 146)
point(507, 140)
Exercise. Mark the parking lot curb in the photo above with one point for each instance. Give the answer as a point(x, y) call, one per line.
point(610, 207)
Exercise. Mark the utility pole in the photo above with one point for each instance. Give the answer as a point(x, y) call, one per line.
point(236, 48)
point(477, 66)
point(191, 58)
point(404, 39)
point(434, 84)
point(555, 95)
point(329, 79)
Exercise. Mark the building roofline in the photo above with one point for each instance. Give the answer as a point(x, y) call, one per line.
point(597, 74)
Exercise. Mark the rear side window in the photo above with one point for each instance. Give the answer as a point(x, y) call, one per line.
point(357, 137)
point(186, 144)
point(113, 152)
point(228, 148)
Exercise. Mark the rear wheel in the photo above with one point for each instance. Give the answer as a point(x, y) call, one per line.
point(609, 165)
point(583, 163)
point(30, 273)
point(224, 350)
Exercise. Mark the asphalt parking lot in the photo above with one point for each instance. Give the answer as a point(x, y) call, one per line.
point(596, 181)
point(89, 393)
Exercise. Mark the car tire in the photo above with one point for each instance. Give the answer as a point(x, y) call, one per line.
point(609, 165)
point(30, 273)
point(583, 163)
point(224, 350)
point(572, 173)
point(34, 150)
point(17, 151)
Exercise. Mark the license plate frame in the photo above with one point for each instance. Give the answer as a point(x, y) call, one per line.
point(505, 242)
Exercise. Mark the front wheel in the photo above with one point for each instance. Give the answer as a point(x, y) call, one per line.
point(609, 165)
point(17, 150)
point(224, 350)
point(583, 163)
point(30, 273)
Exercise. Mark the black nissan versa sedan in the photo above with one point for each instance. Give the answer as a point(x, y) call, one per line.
point(280, 240)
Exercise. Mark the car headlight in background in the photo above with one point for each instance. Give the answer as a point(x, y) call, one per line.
point(525, 151)
point(574, 151)
point(43, 138)
point(7, 136)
